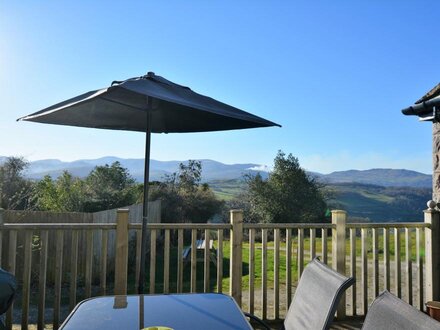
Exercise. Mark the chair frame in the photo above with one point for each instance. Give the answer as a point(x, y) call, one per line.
point(341, 290)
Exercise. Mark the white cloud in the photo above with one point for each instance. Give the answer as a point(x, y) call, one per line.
point(261, 168)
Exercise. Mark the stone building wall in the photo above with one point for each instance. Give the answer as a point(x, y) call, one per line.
point(436, 162)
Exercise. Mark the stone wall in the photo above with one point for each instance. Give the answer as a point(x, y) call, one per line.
point(436, 162)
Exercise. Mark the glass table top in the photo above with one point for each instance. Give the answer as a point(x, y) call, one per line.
point(177, 311)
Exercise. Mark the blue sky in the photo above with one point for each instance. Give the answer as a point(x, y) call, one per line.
point(334, 74)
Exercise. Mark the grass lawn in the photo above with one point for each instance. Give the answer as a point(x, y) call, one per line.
point(258, 262)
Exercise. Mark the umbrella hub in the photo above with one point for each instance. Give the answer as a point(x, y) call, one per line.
point(149, 75)
point(118, 82)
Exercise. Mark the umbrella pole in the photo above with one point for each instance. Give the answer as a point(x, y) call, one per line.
point(141, 284)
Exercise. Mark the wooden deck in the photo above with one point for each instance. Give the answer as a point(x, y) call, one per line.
point(351, 323)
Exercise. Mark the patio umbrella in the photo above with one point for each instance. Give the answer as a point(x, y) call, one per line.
point(150, 104)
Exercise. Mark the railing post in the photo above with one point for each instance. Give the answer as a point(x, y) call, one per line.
point(121, 259)
point(11, 263)
point(432, 254)
point(236, 217)
point(338, 251)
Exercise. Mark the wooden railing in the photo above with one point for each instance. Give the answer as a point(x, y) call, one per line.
point(380, 269)
point(258, 264)
point(38, 259)
point(286, 269)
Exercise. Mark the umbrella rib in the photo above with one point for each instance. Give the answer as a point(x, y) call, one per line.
point(124, 104)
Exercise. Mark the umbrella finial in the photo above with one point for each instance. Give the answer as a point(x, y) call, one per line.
point(150, 74)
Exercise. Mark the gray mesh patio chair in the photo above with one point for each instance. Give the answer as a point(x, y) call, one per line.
point(391, 313)
point(316, 298)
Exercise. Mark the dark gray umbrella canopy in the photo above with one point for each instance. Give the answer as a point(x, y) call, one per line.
point(147, 104)
point(123, 106)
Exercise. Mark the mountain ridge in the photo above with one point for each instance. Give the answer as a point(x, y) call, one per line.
point(214, 170)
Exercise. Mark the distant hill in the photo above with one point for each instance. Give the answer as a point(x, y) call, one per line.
point(380, 176)
point(370, 202)
point(211, 170)
point(214, 170)
point(376, 194)
point(401, 203)
point(379, 203)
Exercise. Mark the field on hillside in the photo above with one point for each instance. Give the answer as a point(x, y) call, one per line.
point(227, 189)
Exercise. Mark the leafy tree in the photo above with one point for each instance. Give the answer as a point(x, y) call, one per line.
point(184, 198)
point(108, 187)
point(15, 189)
point(65, 194)
point(45, 195)
point(288, 195)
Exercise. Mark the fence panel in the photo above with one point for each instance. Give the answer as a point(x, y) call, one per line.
point(378, 272)
point(32, 271)
point(284, 250)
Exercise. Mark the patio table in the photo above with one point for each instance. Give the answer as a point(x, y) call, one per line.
point(177, 311)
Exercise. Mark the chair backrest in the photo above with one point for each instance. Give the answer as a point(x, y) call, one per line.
point(8, 287)
point(316, 297)
point(389, 312)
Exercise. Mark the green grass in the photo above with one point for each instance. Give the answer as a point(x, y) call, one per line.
point(227, 189)
point(377, 196)
point(391, 245)
point(225, 196)
point(258, 263)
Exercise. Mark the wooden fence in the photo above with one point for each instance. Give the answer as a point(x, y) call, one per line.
point(109, 216)
point(258, 264)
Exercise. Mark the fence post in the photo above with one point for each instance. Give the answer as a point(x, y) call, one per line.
point(121, 259)
point(432, 254)
point(236, 217)
point(338, 251)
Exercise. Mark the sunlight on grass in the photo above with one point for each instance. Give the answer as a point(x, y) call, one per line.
point(270, 262)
